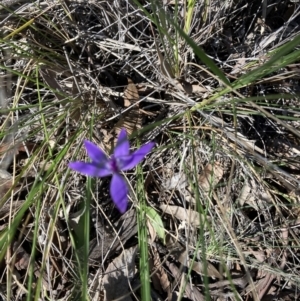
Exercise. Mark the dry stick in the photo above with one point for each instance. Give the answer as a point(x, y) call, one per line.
point(8, 3)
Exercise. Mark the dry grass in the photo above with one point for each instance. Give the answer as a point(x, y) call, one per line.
point(224, 179)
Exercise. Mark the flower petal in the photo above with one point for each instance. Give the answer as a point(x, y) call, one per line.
point(135, 158)
point(95, 153)
point(90, 169)
point(118, 192)
point(122, 148)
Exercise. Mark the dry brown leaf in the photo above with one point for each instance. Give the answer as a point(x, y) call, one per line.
point(178, 181)
point(9, 208)
point(183, 86)
point(151, 231)
point(197, 89)
point(192, 292)
point(126, 227)
point(240, 63)
point(244, 194)
point(49, 77)
point(259, 255)
point(118, 274)
point(21, 261)
point(22, 258)
point(264, 285)
point(130, 120)
point(17, 147)
point(240, 281)
point(131, 93)
point(250, 193)
point(6, 182)
point(9, 149)
point(210, 176)
point(189, 216)
point(158, 274)
point(199, 268)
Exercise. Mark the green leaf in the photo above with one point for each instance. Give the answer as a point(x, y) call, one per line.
point(156, 222)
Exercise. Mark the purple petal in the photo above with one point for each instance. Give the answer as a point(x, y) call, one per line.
point(122, 148)
point(95, 153)
point(90, 169)
point(118, 192)
point(135, 158)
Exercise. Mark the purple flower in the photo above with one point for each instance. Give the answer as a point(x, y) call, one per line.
point(121, 160)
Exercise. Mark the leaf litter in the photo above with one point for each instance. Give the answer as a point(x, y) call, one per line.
point(118, 275)
point(247, 162)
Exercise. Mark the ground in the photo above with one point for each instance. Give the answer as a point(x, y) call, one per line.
point(213, 209)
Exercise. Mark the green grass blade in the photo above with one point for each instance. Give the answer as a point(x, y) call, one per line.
point(143, 238)
point(202, 55)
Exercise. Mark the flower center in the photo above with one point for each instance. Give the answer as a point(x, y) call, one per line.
point(114, 166)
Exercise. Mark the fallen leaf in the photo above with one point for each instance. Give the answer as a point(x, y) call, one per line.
point(22, 258)
point(189, 216)
point(187, 87)
point(198, 267)
point(210, 176)
point(158, 274)
point(131, 93)
point(178, 181)
point(126, 226)
point(17, 147)
point(130, 120)
point(151, 232)
point(6, 182)
point(9, 209)
point(184, 86)
point(240, 281)
point(118, 274)
point(197, 89)
point(49, 77)
point(191, 292)
point(244, 194)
